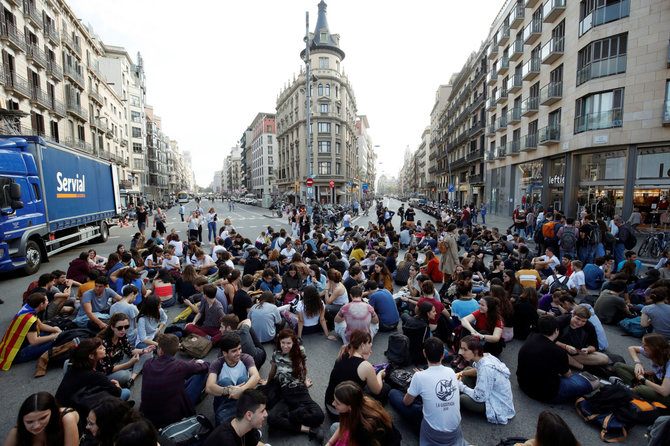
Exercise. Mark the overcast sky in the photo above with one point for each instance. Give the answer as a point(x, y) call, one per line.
point(211, 66)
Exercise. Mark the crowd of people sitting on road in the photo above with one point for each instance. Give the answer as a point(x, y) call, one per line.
point(460, 293)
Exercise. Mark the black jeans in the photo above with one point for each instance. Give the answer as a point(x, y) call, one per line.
point(294, 409)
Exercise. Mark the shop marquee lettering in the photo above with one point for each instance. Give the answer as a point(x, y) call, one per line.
point(557, 179)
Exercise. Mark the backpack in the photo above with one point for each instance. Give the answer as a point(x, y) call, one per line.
point(633, 326)
point(537, 236)
point(189, 431)
point(196, 345)
point(400, 379)
point(568, 239)
point(609, 239)
point(631, 241)
point(557, 284)
point(398, 350)
point(28, 292)
point(548, 231)
point(595, 236)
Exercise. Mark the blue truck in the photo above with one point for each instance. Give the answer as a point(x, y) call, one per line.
point(52, 197)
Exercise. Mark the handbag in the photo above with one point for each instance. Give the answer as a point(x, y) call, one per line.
point(442, 247)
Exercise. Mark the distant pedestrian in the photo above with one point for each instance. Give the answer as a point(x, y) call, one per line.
point(483, 212)
point(181, 211)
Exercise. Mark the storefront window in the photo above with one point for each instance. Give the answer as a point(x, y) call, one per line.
point(557, 183)
point(498, 192)
point(653, 163)
point(603, 166)
point(529, 184)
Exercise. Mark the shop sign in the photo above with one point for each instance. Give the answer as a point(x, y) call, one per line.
point(600, 139)
point(557, 179)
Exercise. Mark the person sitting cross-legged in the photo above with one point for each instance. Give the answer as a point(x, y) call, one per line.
point(356, 315)
point(244, 428)
point(229, 376)
point(170, 387)
point(579, 338)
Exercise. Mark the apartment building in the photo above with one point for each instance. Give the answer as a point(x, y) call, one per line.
point(333, 146)
point(579, 107)
point(367, 158)
point(436, 187)
point(233, 172)
point(262, 168)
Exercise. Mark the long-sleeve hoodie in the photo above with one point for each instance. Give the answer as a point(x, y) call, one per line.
point(493, 389)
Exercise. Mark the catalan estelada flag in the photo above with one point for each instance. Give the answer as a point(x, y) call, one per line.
point(15, 334)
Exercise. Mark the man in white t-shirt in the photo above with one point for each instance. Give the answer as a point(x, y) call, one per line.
point(346, 220)
point(438, 388)
point(547, 263)
point(577, 280)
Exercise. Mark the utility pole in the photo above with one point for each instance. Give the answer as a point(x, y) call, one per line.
point(308, 111)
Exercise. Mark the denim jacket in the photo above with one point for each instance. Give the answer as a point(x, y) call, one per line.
point(493, 388)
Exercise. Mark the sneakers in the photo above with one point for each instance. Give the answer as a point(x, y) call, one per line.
point(616, 380)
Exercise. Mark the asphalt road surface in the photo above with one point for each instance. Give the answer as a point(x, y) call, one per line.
point(17, 383)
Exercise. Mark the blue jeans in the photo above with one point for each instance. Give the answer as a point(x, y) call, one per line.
point(194, 386)
point(413, 413)
point(571, 252)
point(125, 394)
point(587, 253)
point(224, 407)
point(211, 230)
point(571, 388)
point(30, 352)
point(619, 250)
point(483, 219)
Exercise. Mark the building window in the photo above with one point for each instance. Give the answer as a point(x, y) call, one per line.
point(666, 104)
point(137, 147)
point(323, 61)
point(137, 132)
point(610, 165)
point(324, 146)
point(598, 12)
point(270, 171)
point(327, 89)
point(338, 169)
point(269, 150)
point(338, 147)
point(135, 116)
point(337, 129)
point(324, 167)
point(324, 108)
point(599, 111)
point(320, 90)
point(602, 58)
point(134, 100)
point(324, 127)
point(269, 141)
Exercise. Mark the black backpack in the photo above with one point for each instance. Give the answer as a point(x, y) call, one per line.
point(595, 236)
point(631, 241)
point(557, 284)
point(537, 236)
point(398, 350)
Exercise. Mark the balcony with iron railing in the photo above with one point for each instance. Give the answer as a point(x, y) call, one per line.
point(491, 129)
point(490, 156)
point(666, 112)
point(514, 83)
point(501, 124)
point(476, 128)
point(475, 178)
point(31, 13)
point(501, 97)
point(515, 147)
point(604, 14)
point(516, 16)
point(36, 55)
point(552, 50)
point(77, 110)
point(503, 35)
point(514, 116)
point(11, 35)
point(2, 77)
point(552, 9)
point(529, 142)
point(517, 50)
point(601, 68)
point(492, 51)
point(39, 98)
point(531, 69)
point(17, 83)
point(58, 108)
point(54, 70)
point(74, 75)
point(79, 144)
point(70, 42)
point(550, 93)
point(598, 121)
point(95, 96)
point(492, 77)
point(491, 103)
point(530, 106)
point(504, 65)
point(532, 32)
point(475, 155)
point(549, 135)
point(501, 151)
point(52, 33)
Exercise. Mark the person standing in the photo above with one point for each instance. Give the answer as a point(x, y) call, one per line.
point(193, 226)
point(159, 222)
point(211, 224)
point(440, 407)
point(182, 210)
point(621, 237)
point(141, 215)
point(483, 212)
point(401, 213)
point(449, 258)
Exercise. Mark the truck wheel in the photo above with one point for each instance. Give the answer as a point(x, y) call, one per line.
point(33, 258)
point(104, 233)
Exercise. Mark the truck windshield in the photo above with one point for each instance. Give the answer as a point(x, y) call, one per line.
point(5, 198)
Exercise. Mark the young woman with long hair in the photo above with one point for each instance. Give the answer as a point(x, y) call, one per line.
point(552, 431)
point(655, 384)
point(311, 314)
point(402, 273)
point(363, 421)
point(488, 325)
point(150, 322)
point(294, 410)
point(505, 309)
point(117, 348)
point(185, 288)
point(382, 275)
point(352, 365)
point(106, 418)
point(512, 286)
point(41, 421)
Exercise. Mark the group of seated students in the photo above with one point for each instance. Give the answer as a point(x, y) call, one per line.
point(285, 288)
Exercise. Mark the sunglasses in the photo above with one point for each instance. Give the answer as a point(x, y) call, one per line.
point(123, 327)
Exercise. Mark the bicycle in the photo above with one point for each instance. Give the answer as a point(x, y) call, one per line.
point(654, 244)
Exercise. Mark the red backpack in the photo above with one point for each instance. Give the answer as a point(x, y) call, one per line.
point(29, 291)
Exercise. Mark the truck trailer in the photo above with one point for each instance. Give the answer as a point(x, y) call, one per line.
point(52, 197)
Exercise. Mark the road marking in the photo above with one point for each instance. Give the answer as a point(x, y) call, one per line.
point(114, 236)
